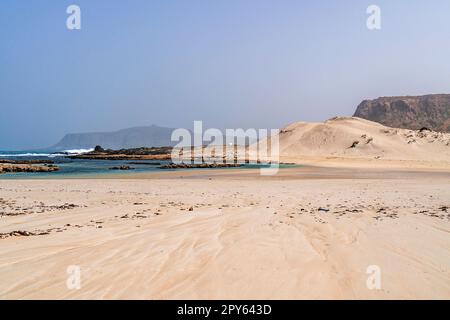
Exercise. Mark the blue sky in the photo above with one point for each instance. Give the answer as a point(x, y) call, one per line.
point(247, 63)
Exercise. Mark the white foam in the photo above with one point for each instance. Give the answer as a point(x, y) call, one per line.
point(49, 155)
point(26, 155)
point(78, 151)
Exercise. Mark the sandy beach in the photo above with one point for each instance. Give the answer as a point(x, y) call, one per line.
point(306, 233)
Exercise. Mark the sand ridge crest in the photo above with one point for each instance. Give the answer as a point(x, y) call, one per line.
point(356, 138)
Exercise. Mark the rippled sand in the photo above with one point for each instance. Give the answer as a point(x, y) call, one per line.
point(228, 234)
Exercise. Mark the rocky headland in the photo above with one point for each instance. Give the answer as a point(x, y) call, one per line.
point(409, 112)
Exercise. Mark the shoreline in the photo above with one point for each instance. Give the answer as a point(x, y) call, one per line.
point(306, 164)
point(296, 171)
point(299, 173)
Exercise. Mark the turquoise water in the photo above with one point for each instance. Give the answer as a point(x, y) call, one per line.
point(76, 168)
point(73, 168)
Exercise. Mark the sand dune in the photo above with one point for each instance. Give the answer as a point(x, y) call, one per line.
point(355, 138)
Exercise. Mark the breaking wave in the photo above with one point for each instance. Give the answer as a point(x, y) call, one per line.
point(24, 154)
point(78, 151)
point(49, 155)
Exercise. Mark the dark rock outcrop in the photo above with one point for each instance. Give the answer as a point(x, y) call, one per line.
point(409, 112)
point(121, 168)
point(199, 165)
point(146, 163)
point(98, 149)
point(154, 153)
point(8, 167)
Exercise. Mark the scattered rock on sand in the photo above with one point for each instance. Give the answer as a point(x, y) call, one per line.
point(22, 233)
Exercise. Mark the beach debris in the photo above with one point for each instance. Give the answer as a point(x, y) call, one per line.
point(10, 208)
point(66, 206)
point(323, 209)
point(354, 144)
point(22, 233)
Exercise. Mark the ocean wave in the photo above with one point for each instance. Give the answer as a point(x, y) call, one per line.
point(78, 151)
point(25, 155)
point(48, 155)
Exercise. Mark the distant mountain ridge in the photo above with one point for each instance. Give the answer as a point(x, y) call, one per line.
point(147, 136)
point(409, 112)
point(136, 137)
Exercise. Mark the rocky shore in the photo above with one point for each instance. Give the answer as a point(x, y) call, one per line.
point(122, 168)
point(21, 167)
point(154, 153)
point(199, 165)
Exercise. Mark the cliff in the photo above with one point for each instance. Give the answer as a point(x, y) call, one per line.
point(408, 112)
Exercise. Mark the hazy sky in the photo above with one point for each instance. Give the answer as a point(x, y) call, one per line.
point(246, 63)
